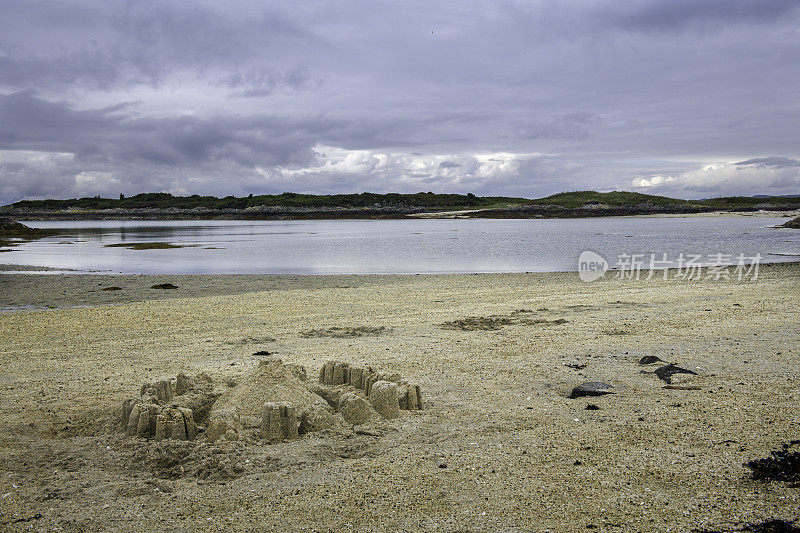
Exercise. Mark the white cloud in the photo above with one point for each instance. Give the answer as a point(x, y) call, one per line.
point(726, 179)
point(93, 183)
point(653, 181)
point(407, 171)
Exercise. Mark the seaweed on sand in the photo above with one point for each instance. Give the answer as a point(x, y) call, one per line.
point(495, 322)
point(769, 526)
point(345, 332)
point(780, 465)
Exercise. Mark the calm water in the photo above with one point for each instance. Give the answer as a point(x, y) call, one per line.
point(395, 246)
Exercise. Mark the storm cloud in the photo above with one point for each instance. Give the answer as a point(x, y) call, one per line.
point(680, 97)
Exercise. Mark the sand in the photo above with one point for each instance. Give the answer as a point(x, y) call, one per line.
point(497, 447)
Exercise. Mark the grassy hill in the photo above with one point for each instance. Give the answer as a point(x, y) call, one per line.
point(577, 199)
point(740, 202)
point(422, 200)
point(287, 199)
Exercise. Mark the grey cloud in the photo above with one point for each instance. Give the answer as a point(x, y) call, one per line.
point(774, 161)
point(575, 125)
point(265, 83)
point(229, 94)
point(57, 45)
point(449, 164)
point(28, 122)
point(666, 15)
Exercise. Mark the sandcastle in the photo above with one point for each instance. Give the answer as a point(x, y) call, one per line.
point(364, 378)
point(272, 404)
point(169, 408)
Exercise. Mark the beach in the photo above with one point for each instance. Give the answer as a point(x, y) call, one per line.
point(498, 445)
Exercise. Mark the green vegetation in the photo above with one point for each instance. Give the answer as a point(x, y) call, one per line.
point(739, 202)
point(572, 200)
point(11, 229)
point(287, 199)
point(148, 245)
point(424, 200)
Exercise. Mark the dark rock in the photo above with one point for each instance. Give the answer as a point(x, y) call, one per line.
point(591, 388)
point(649, 360)
point(164, 286)
point(794, 223)
point(665, 373)
point(592, 407)
point(10, 228)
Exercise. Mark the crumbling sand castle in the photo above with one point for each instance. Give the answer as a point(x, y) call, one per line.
point(169, 409)
point(364, 378)
point(273, 404)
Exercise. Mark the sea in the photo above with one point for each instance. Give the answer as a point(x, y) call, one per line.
point(403, 246)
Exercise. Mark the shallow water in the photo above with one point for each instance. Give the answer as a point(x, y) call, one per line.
point(396, 246)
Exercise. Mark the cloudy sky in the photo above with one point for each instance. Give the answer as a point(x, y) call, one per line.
point(689, 98)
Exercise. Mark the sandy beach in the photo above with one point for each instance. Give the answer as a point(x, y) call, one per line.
point(498, 446)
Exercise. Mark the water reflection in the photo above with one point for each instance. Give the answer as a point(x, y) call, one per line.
point(393, 246)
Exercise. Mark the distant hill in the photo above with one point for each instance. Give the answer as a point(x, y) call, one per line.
point(744, 202)
point(391, 205)
point(287, 199)
point(617, 198)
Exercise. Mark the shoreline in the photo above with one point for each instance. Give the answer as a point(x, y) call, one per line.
point(524, 212)
point(39, 289)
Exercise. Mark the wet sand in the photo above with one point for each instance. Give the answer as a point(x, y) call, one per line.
point(498, 447)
